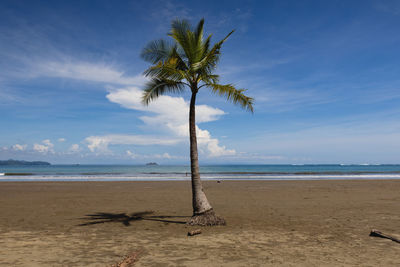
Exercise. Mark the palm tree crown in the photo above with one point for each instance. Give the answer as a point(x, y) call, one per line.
point(187, 61)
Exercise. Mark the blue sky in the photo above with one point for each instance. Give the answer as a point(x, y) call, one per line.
point(325, 76)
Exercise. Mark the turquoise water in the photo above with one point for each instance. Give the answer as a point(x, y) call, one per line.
point(212, 172)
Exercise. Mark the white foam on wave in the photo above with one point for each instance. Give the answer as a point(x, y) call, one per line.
point(2, 173)
point(204, 177)
point(60, 178)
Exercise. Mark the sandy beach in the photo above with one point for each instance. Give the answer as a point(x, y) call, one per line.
point(270, 223)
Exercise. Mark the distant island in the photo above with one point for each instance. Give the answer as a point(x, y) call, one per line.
point(12, 162)
point(151, 164)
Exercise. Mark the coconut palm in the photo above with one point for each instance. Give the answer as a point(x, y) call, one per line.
point(189, 61)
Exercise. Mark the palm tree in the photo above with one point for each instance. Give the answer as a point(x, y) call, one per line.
point(189, 62)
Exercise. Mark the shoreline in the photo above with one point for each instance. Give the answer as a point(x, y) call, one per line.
point(188, 180)
point(373, 177)
point(270, 223)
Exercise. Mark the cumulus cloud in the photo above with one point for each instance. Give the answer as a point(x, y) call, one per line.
point(48, 143)
point(40, 148)
point(171, 113)
point(212, 144)
point(168, 113)
point(165, 156)
point(18, 147)
point(100, 143)
point(61, 140)
point(175, 109)
point(85, 71)
point(45, 147)
point(74, 148)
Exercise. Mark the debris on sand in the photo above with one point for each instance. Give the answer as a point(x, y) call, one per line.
point(128, 261)
point(194, 232)
point(380, 234)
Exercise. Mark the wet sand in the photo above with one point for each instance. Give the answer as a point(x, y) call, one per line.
point(270, 223)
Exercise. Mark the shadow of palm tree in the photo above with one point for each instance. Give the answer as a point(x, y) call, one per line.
point(102, 217)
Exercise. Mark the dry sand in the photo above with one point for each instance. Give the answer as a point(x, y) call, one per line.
point(270, 223)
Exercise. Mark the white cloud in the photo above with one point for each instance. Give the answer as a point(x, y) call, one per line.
point(40, 148)
point(100, 143)
point(168, 113)
point(171, 114)
point(258, 157)
point(48, 143)
point(7, 97)
point(47, 147)
point(212, 144)
point(62, 140)
point(92, 72)
point(74, 148)
point(166, 156)
point(163, 156)
point(18, 147)
point(133, 155)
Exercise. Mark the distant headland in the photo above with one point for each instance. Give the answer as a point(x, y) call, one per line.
point(151, 164)
point(12, 162)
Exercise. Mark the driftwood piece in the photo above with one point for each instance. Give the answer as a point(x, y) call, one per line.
point(128, 260)
point(380, 234)
point(194, 232)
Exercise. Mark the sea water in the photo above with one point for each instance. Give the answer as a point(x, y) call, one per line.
point(209, 172)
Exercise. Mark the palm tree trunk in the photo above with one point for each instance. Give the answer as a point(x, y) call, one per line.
point(200, 202)
point(203, 213)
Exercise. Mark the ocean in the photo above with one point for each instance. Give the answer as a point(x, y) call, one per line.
point(209, 172)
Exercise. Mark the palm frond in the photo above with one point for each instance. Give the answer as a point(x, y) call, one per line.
point(232, 94)
point(199, 30)
point(209, 78)
point(167, 70)
point(181, 62)
point(180, 31)
point(210, 60)
point(206, 46)
point(218, 45)
point(156, 87)
point(181, 25)
point(155, 51)
point(198, 43)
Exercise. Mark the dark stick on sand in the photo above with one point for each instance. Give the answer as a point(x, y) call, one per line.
point(380, 234)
